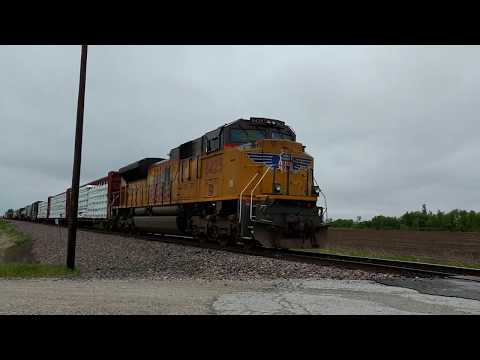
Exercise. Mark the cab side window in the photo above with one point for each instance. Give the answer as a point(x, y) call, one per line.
point(213, 144)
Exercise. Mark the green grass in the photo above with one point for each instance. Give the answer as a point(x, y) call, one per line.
point(422, 259)
point(21, 243)
point(21, 270)
point(13, 234)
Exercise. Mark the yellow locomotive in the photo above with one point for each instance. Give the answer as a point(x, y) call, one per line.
point(248, 181)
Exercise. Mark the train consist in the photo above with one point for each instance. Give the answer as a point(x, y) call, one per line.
point(247, 182)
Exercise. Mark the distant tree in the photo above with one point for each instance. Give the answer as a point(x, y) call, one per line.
point(385, 222)
point(342, 223)
point(455, 220)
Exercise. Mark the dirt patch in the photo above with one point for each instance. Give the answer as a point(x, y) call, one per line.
point(5, 243)
point(11, 252)
point(438, 245)
point(19, 254)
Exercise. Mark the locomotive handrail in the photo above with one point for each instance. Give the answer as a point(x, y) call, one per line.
point(241, 194)
point(115, 196)
point(324, 197)
point(251, 194)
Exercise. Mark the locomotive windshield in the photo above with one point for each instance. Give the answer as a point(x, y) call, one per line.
point(279, 135)
point(241, 136)
point(249, 131)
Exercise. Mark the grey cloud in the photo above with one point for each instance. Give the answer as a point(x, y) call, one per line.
point(390, 127)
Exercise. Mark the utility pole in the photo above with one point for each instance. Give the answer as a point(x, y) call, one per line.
point(77, 159)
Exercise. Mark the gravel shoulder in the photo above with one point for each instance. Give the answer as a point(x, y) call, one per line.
point(104, 256)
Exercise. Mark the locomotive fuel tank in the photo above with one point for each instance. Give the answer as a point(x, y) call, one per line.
point(166, 219)
point(160, 224)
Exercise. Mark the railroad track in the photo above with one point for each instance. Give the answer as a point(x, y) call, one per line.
point(351, 262)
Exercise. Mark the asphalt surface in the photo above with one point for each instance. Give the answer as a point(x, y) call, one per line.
point(150, 296)
point(454, 287)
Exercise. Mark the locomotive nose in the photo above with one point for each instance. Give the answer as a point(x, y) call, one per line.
point(285, 226)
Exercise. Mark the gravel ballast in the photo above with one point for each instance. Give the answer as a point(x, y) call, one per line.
point(105, 256)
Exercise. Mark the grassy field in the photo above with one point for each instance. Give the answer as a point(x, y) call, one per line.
point(21, 270)
point(25, 269)
point(377, 255)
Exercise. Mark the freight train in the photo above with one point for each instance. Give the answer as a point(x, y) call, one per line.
point(248, 182)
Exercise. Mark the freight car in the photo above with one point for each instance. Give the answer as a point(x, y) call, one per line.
point(248, 181)
point(31, 211)
point(19, 214)
point(96, 200)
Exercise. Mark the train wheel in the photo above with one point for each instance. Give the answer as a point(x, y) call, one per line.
point(223, 240)
point(202, 238)
point(131, 230)
point(212, 234)
point(248, 244)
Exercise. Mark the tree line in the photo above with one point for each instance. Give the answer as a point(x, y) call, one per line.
point(455, 220)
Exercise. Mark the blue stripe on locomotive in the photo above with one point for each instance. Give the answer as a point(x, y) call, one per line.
point(273, 160)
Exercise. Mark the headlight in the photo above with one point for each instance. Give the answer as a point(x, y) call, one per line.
point(277, 188)
point(316, 190)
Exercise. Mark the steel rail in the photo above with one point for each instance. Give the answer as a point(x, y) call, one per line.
point(352, 262)
point(445, 270)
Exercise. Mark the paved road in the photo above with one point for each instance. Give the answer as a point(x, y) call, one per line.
point(455, 286)
point(48, 296)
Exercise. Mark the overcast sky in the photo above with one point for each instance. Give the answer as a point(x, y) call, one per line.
point(390, 127)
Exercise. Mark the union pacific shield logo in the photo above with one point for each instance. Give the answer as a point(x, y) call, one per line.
point(281, 161)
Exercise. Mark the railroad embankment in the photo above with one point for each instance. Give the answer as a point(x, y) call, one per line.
point(112, 256)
